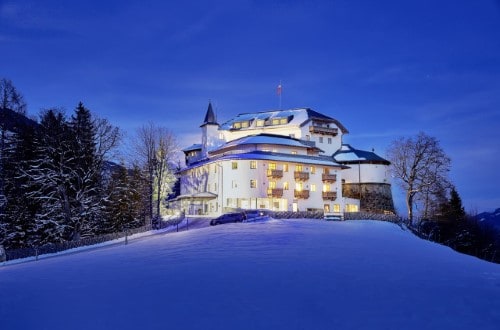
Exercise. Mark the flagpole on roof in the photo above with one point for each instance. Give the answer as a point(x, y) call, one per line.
point(278, 91)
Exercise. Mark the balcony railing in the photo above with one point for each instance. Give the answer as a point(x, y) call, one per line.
point(302, 194)
point(324, 130)
point(330, 195)
point(329, 177)
point(274, 173)
point(275, 192)
point(301, 176)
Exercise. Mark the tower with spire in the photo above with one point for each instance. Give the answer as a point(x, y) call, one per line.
point(209, 132)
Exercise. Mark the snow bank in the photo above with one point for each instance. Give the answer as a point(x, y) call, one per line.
point(279, 274)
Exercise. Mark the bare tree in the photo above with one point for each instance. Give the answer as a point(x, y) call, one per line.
point(10, 98)
point(155, 148)
point(420, 165)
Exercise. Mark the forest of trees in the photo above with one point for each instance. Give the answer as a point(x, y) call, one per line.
point(420, 166)
point(57, 181)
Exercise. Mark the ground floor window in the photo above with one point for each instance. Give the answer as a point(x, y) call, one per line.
point(336, 208)
point(351, 208)
point(326, 208)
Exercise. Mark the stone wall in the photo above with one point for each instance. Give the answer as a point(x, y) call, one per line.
point(375, 197)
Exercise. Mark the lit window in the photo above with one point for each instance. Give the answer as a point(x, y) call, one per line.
point(326, 170)
point(259, 123)
point(253, 164)
point(237, 125)
point(285, 185)
point(329, 140)
point(313, 187)
point(336, 208)
point(276, 121)
point(326, 187)
point(285, 167)
point(320, 139)
point(298, 168)
point(272, 184)
point(294, 152)
point(327, 208)
point(298, 186)
point(234, 165)
point(351, 208)
point(283, 121)
point(313, 169)
point(244, 124)
point(272, 166)
point(253, 183)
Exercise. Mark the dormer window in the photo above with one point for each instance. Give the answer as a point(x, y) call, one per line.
point(276, 121)
point(260, 122)
point(237, 125)
point(244, 124)
point(283, 121)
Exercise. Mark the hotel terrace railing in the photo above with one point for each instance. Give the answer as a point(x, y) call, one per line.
point(301, 176)
point(330, 195)
point(302, 194)
point(275, 192)
point(274, 173)
point(329, 177)
point(324, 130)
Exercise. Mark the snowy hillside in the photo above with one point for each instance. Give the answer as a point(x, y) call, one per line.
point(292, 274)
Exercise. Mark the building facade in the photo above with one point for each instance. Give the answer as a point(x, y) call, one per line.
point(282, 160)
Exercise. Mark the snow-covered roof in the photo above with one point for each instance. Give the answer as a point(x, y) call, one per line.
point(347, 154)
point(267, 155)
point(294, 117)
point(267, 139)
point(193, 147)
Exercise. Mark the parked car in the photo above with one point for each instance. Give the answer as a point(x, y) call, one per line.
point(252, 214)
point(228, 217)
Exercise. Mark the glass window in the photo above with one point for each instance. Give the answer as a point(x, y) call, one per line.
point(351, 208)
point(253, 183)
point(285, 167)
point(276, 121)
point(244, 124)
point(336, 207)
point(253, 164)
point(285, 185)
point(329, 140)
point(237, 125)
point(298, 186)
point(313, 169)
point(272, 166)
point(272, 184)
point(327, 208)
point(320, 139)
point(308, 137)
point(326, 187)
point(259, 123)
point(294, 152)
point(234, 165)
point(284, 121)
point(298, 168)
point(313, 187)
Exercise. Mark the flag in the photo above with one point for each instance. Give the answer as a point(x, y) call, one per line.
point(278, 90)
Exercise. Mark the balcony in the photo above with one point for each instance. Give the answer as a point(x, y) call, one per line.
point(301, 176)
point(330, 195)
point(301, 194)
point(329, 177)
point(274, 173)
point(275, 192)
point(324, 130)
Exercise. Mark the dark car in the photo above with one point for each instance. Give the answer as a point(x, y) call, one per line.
point(254, 214)
point(229, 217)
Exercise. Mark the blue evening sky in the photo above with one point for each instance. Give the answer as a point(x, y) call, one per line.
point(384, 68)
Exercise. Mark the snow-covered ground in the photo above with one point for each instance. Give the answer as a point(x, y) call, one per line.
point(279, 274)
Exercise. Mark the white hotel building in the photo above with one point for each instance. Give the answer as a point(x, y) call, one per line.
point(281, 160)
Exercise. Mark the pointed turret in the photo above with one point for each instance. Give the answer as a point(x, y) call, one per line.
point(209, 132)
point(210, 116)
